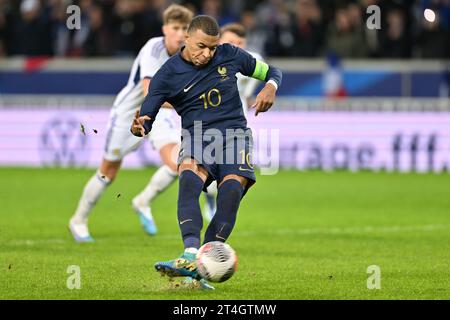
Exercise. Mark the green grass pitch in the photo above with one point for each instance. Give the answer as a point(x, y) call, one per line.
point(298, 236)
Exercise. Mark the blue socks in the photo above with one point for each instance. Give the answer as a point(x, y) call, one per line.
point(228, 199)
point(190, 218)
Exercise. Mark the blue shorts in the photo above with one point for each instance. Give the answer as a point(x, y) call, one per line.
point(221, 155)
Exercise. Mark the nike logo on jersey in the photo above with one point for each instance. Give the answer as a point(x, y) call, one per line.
point(189, 88)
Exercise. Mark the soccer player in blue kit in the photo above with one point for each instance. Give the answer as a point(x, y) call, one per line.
point(200, 82)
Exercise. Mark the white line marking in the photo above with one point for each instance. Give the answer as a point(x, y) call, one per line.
point(349, 230)
point(278, 232)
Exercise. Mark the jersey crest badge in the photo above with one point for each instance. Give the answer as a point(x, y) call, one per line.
point(223, 73)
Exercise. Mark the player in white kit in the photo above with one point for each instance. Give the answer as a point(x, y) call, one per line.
point(233, 33)
point(165, 136)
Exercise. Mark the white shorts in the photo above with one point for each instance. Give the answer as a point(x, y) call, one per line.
point(120, 141)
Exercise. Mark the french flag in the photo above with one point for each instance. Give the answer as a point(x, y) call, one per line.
point(333, 83)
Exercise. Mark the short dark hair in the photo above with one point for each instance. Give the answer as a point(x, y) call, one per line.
point(205, 23)
point(236, 28)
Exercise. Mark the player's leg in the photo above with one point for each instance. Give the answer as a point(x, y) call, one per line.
point(230, 192)
point(165, 137)
point(229, 196)
point(192, 178)
point(92, 191)
point(160, 181)
point(210, 201)
point(190, 281)
point(235, 176)
point(119, 143)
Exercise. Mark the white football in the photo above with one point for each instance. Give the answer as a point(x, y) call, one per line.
point(216, 261)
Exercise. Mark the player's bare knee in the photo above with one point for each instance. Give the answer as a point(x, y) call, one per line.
point(169, 154)
point(110, 169)
point(110, 174)
point(192, 165)
point(171, 164)
point(188, 164)
point(242, 180)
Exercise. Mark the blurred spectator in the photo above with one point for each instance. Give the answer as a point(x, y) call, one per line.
point(31, 32)
point(346, 37)
point(289, 28)
point(150, 20)
point(256, 36)
point(127, 27)
point(98, 41)
point(298, 32)
point(60, 32)
point(395, 39)
point(270, 13)
point(4, 15)
point(215, 8)
point(277, 16)
point(308, 29)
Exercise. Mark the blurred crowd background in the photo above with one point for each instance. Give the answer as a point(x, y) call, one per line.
point(295, 28)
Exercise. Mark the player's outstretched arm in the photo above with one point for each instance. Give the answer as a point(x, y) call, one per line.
point(266, 97)
point(157, 95)
point(249, 66)
point(145, 83)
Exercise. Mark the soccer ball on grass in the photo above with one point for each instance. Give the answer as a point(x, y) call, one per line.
point(216, 261)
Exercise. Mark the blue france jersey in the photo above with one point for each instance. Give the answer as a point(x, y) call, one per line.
point(208, 94)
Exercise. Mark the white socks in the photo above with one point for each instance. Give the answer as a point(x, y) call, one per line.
point(162, 179)
point(91, 193)
point(212, 189)
point(191, 250)
point(209, 210)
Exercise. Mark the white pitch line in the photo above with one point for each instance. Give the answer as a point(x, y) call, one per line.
point(35, 242)
point(351, 230)
point(277, 232)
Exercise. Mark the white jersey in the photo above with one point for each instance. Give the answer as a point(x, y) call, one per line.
point(119, 140)
point(150, 58)
point(247, 85)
